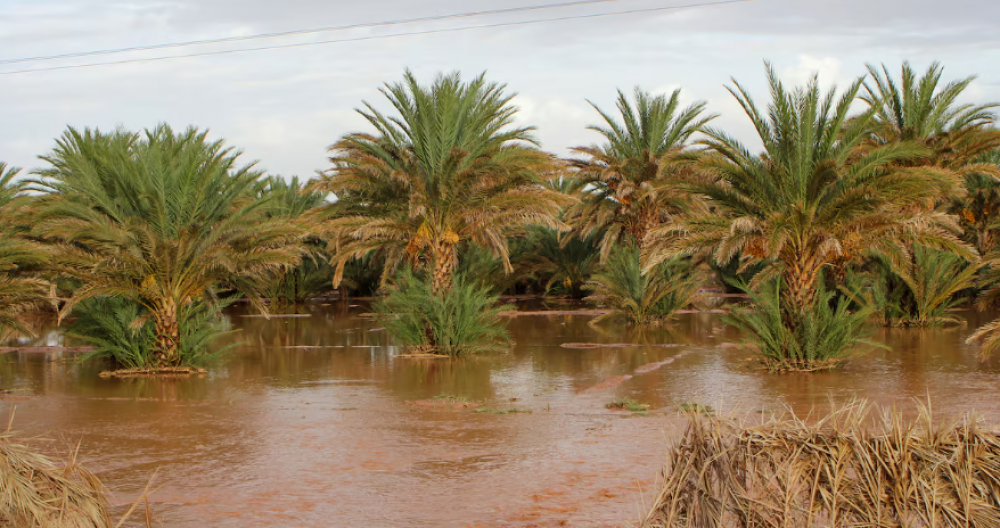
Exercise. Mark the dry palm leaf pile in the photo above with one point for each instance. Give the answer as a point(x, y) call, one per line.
point(853, 468)
point(36, 492)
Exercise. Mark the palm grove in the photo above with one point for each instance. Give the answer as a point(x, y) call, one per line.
point(875, 204)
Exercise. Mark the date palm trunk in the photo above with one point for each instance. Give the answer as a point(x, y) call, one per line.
point(647, 220)
point(801, 278)
point(444, 262)
point(801, 275)
point(168, 335)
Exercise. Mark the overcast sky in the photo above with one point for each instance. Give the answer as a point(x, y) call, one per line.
point(284, 107)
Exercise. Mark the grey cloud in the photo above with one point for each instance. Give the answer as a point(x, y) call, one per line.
point(285, 107)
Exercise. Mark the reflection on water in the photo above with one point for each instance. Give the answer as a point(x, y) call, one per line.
point(311, 422)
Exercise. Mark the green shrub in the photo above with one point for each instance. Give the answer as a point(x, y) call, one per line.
point(114, 327)
point(120, 330)
point(917, 291)
point(644, 298)
point(201, 325)
point(696, 408)
point(463, 319)
point(824, 336)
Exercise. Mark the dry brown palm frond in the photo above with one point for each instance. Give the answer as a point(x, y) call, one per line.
point(854, 467)
point(35, 492)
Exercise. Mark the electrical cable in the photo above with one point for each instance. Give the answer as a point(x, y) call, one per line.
point(381, 37)
point(240, 38)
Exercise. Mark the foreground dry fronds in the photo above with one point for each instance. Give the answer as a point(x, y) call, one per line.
point(852, 468)
point(35, 492)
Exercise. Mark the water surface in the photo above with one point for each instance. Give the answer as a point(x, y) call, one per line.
point(315, 422)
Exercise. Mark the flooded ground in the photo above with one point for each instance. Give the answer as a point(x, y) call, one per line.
point(313, 422)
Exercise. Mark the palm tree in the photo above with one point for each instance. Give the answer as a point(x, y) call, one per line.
point(551, 257)
point(160, 218)
point(978, 208)
point(560, 258)
point(449, 168)
point(812, 198)
point(21, 292)
point(922, 109)
point(626, 181)
point(958, 138)
point(988, 335)
point(291, 197)
point(293, 200)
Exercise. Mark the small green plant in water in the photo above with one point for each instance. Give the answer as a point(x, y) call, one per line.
point(463, 319)
point(451, 398)
point(627, 404)
point(824, 336)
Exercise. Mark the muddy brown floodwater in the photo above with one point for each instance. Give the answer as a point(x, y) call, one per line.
point(313, 421)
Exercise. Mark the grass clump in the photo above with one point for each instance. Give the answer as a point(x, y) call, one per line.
point(783, 338)
point(120, 330)
point(649, 298)
point(627, 404)
point(851, 468)
point(462, 319)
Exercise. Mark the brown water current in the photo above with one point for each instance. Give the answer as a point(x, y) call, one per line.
point(314, 421)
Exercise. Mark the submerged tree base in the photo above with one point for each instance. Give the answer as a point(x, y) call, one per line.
point(152, 371)
point(852, 468)
point(422, 353)
point(788, 366)
point(814, 366)
point(913, 323)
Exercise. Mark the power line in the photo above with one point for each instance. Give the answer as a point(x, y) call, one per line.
point(380, 37)
point(325, 29)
